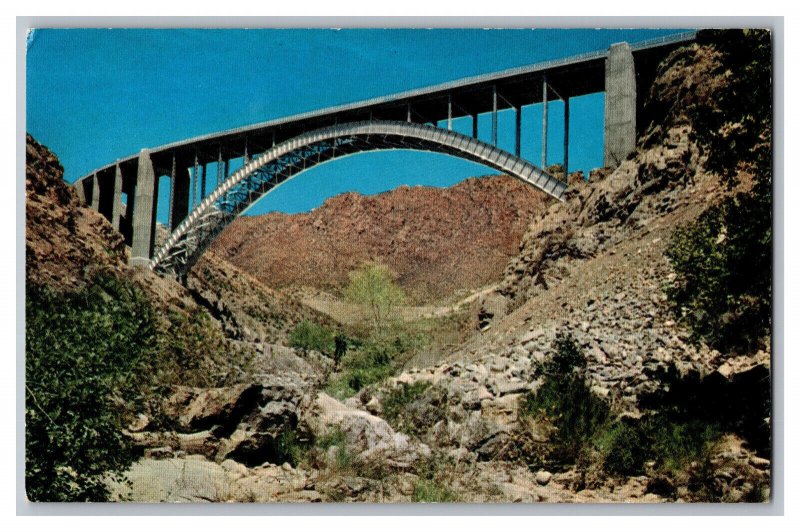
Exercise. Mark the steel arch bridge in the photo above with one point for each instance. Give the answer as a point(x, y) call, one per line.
point(127, 191)
point(261, 175)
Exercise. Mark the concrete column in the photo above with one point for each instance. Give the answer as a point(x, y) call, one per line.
point(408, 112)
point(144, 211)
point(475, 126)
point(116, 205)
point(202, 181)
point(180, 197)
point(80, 189)
point(172, 193)
point(566, 137)
point(544, 123)
point(620, 105)
point(195, 172)
point(95, 193)
point(518, 130)
point(494, 115)
point(220, 176)
point(449, 113)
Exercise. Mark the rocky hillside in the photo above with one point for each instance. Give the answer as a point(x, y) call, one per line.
point(64, 243)
point(436, 240)
point(67, 244)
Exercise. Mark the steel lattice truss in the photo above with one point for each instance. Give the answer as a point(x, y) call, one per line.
point(259, 176)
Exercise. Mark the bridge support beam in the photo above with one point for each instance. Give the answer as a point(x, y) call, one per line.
point(475, 125)
point(517, 130)
point(494, 115)
point(620, 105)
point(144, 211)
point(195, 176)
point(566, 137)
point(116, 205)
point(95, 193)
point(449, 113)
point(544, 124)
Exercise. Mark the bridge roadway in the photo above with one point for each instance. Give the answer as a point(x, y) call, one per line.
point(624, 72)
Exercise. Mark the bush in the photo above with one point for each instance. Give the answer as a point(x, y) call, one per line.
point(432, 491)
point(672, 444)
point(292, 447)
point(310, 336)
point(723, 261)
point(192, 351)
point(436, 474)
point(676, 444)
point(625, 449)
point(565, 401)
point(415, 408)
point(373, 286)
point(85, 354)
point(343, 459)
point(724, 273)
point(370, 362)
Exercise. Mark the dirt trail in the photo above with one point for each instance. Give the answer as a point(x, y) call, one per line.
point(352, 313)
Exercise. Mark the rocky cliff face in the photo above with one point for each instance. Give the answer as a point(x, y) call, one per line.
point(437, 241)
point(64, 243)
point(67, 244)
point(595, 265)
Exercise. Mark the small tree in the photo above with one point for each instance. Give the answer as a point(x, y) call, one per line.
point(372, 285)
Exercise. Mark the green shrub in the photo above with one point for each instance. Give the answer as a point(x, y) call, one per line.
point(369, 362)
point(671, 444)
point(373, 286)
point(85, 354)
point(723, 261)
point(415, 408)
point(435, 474)
point(724, 273)
point(676, 444)
point(192, 351)
point(343, 459)
point(292, 447)
point(309, 336)
point(565, 401)
point(432, 491)
point(625, 448)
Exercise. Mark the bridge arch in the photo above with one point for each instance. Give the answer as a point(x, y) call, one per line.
point(259, 176)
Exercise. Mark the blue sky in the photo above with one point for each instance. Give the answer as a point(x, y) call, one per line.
point(95, 95)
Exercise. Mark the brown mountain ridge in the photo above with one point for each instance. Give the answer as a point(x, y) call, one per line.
point(436, 240)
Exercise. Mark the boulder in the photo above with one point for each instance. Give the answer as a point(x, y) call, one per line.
point(543, 477)
point(370, 437)
point(195, 409)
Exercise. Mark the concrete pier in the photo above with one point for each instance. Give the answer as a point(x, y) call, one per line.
point(544, 123)
point(144, 211)
point(95, 193)
point(566, 137)
point(620, 105)
point(116, 205)
point(494, 115)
